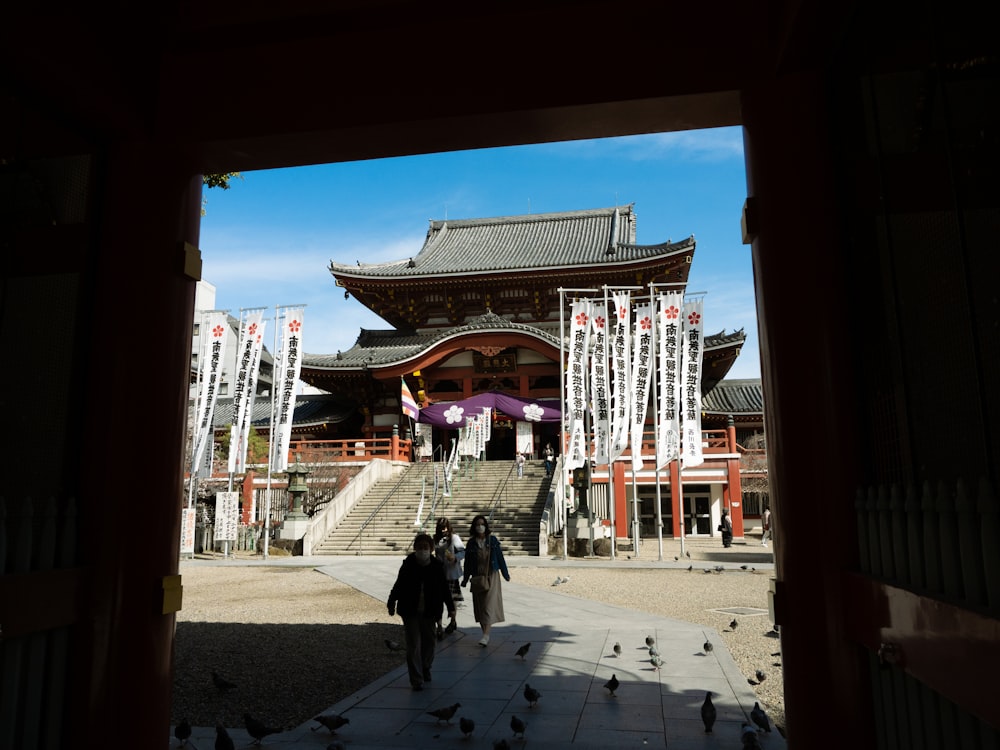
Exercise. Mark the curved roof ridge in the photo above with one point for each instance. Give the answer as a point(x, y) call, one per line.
point(527, 218)
point(539, 243)
point(490, 319)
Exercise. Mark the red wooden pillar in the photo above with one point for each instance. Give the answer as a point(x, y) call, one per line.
point(138, 318)
point(247, 495)
point(621, 501)
point(792, 213)
point(676, 499)
point(733, 491)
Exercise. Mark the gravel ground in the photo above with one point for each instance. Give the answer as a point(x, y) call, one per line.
point(292, 663)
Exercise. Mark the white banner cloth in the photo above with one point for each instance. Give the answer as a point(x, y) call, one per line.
point(576, 383)
point(599, 396)
point(694, 337)
point(641, 372)
point(247, 360)
point(286, 376)
point(214, 336)
point(621, 401)
point(668, 439)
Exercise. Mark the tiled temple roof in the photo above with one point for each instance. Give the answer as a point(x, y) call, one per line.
point(375, 348)
point(735, 397)
point(535, 242)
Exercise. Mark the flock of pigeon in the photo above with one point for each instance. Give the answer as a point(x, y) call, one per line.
point(255, 728)
point(332, 722)
point(749, 734)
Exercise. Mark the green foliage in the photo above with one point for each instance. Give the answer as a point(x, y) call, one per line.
point(220, 180)
point(257, 447)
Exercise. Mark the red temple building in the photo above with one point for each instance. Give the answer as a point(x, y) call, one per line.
point(478, 310)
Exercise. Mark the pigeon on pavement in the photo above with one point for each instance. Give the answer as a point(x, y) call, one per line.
point(708, 713)
point(523, 650)
point(445, 713)
point(531, 695)
point(466, 725)
point(617, 649)
point(517, 725)
point(707, 647)
point(612, 684)
point(749, 737)
point(258, 729)
point(222, 739)
point(222, 684)
point(656, 661)
point(333, 722)
point(654, 651)
point(733, 624)
point(182, 732)
point(650, 641)
point(759, 717)
point(760, 675)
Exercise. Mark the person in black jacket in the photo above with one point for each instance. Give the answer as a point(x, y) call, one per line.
point(420, 593)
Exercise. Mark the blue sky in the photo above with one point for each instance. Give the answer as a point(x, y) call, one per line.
point(268, 240)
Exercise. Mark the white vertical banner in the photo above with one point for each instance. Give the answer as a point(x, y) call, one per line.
point(524, 437)
point(188, 527)
point(694, 337)
point(669, 377)
point(487, 423)
point(250, 338)
point(252, 392)
point(576, 383)
point(621, 401)
point(599, 381)
point(480, 433)
point(641, 374)
point(286, 378)
point(215, 335)
point(226, 516)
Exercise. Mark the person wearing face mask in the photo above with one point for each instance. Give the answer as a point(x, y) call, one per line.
point(420, 593)
point(484, 560)
point(448, 548)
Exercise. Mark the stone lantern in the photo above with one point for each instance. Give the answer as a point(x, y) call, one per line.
point(296, 520)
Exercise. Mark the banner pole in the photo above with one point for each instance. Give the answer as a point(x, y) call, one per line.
point(270, 446)
point(609, 448)
point(563, 483)
point(655, 383)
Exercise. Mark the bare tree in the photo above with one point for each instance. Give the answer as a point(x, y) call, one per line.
point(753, 473)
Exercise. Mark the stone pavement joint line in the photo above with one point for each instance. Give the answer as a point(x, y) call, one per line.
point(570, 660)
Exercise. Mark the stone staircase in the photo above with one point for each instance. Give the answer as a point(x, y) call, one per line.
point(390, 508)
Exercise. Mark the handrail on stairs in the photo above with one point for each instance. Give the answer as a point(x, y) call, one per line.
point(497, 500)
point(392, 491)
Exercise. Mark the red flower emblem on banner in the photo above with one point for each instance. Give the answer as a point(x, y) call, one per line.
point(581, 319)
point(253, 329)
point(694, 318)
point(671, 313)
point(218, 331)
point(599, 322)
point(622, 311)
point(645, 324)
point(294, 326)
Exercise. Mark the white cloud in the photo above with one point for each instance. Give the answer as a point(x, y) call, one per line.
point(716, 144)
